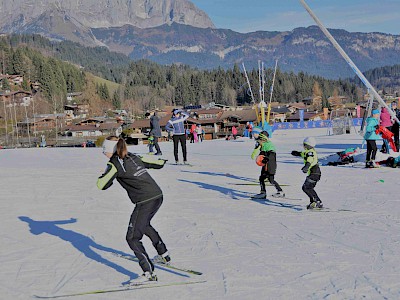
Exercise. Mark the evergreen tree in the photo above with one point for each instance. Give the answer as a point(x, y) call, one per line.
point(6, 84)
point(116, 100)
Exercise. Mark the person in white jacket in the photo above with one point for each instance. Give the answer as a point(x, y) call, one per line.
point(176, 126)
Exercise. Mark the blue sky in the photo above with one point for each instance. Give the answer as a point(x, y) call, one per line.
point(281, 15)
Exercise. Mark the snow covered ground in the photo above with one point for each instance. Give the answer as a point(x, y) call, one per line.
point(59, 230)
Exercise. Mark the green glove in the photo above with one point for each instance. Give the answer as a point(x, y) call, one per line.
point(255, 152)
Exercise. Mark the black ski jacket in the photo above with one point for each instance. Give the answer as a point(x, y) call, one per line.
point(131, 173)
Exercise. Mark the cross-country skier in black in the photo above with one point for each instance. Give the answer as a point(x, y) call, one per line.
point(130, 171)
point(311, 167)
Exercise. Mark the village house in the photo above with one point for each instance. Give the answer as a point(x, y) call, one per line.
point(76, 111)
point(41, 124)
point(94, 127)
point(12, 79)
point(295, 106)
point(279, 113)
point(208, 119)
point(237, 118)
point(18, 98)
point(337, 101)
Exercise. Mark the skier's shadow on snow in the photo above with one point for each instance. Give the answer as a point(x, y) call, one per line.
point(340, 147)
point(228, 175)
point(234, 194)
point(278, 204)
point(82, 243)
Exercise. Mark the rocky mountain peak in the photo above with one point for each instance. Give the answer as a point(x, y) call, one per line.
point(15, 14)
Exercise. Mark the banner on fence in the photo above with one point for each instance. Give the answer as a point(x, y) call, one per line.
point(310, 124)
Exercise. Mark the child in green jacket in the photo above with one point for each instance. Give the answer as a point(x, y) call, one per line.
point(267, 160)
point(311, 168)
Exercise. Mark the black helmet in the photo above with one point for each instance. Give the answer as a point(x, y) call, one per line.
point(263, 136)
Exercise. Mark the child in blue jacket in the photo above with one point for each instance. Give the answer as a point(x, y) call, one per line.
point(370, 137)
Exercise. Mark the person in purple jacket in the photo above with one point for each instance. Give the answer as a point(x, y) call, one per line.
point(176, 126)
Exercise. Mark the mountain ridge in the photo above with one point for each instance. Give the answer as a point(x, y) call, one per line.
point(175, 31)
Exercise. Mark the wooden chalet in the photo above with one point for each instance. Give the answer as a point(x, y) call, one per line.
point(41, 124)
point(279, 113)
point(209, 120)
point(94, 129)
point(20, 98)
point(237, 118)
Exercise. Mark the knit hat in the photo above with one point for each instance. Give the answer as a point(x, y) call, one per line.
point(310, 141)
point(109, 146)
point(375, 112)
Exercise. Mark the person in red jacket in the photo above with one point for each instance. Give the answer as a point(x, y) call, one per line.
point(234, 132)
point(386, 121)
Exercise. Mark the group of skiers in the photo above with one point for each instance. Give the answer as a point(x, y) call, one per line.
point(381, 122)
point(265, 155)
point(174, 127)
point(130, 171)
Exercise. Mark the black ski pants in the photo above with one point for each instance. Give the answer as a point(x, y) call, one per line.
point(371, 150)
point(139, 225)
point(180, 139)
point(271, 178)
point(157, 145)
point(395, 130)
point(309, 185)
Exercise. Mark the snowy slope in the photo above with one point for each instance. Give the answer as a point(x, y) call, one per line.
point(59, 230)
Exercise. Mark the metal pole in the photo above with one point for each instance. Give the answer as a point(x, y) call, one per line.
point(349, 61)
point(12, 124)
point(251, 93)
point(5, 120)
point(248, 82)
point(28, 127)
point(271, 91)
point(16, 122)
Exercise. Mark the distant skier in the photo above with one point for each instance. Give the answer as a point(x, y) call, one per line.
point(311, 167)
point(395, 127)
point(151, 144)
point(267, 160)
point(199, 131)
point(370, 137)
point(130, 171)
point(155, 131)
point(234, 132)
point(386, 121)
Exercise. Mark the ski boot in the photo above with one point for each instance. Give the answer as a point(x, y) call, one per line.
point(164, 259)
point(279, 194)
point(315, 204)
point(146, 277)
point(262, 195)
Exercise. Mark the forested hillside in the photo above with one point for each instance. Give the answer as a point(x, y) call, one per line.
point(145, 84)
point(384, 78)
